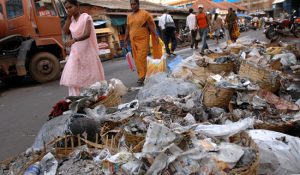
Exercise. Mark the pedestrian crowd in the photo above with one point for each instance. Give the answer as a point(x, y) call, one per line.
point(83, 66)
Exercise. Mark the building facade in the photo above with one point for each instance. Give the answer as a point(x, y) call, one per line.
point(286, 5)
point(257, 6)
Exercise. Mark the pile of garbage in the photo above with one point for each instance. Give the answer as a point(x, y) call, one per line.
point(234, 111)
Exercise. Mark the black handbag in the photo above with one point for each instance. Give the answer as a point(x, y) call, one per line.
point(169, 24)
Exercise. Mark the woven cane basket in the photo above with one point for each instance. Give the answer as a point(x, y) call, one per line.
point(217, 55)
point(219, 68)
point(215, 96)
point(265, 78)
point(132, 140)
point(283, 127)
point(112, 99)
point(244, 139)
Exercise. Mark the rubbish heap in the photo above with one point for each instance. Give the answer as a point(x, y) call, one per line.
point(234, 111)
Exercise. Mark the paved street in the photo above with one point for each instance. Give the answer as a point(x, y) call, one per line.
point(24, 108)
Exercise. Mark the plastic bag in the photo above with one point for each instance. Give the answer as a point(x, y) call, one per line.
point(118, 86)
point(130, 61)
point(62, 125)
point(286, 59)
point(173, 62)
point(279, 153)
point(160, 85)
point(226, 130)
point(155, 66)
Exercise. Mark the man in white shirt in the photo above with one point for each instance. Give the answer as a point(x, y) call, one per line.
point(192, 25)
point(168, 32)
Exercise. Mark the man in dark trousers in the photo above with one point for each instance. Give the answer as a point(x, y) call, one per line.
point(168, 28)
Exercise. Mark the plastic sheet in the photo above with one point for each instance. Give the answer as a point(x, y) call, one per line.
point(279, 153)
point(160, 85)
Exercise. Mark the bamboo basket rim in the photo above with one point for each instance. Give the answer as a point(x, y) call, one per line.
point(111, 100)
point(253, 167)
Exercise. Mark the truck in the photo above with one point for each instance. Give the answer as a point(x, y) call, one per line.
point(31, 39)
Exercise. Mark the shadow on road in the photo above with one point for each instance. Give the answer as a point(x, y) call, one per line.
point(26, 82)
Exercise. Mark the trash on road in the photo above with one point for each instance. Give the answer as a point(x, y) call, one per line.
point(232, 111)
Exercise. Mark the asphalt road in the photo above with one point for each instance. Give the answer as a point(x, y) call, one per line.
point(24, 108)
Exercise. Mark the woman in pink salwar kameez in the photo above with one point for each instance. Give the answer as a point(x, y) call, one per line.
point(83, 67)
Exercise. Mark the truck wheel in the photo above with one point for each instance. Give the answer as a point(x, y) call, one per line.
point(44, 67)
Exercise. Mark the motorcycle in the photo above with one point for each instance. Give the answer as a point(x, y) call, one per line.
point(254, 25)
point(284, 28)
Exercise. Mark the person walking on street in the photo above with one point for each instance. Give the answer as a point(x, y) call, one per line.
point(203, 25)
point(140, 25)
point(217, 25)
point(83, 67)
point(167, 26)
point(192, 25)
point(232, 24)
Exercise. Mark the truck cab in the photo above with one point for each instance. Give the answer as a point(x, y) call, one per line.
point(31, 39)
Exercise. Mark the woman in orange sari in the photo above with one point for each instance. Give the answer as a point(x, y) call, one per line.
point(140, 25)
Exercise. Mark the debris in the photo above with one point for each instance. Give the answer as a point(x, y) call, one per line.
point(201, 117)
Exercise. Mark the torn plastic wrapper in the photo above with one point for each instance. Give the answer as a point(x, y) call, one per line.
point(49, 165)
point(157, 138)
point(168, 155)
point(258, 103)
point(279, 153)
point(226, 130)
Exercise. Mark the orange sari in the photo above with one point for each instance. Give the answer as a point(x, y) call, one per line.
point(139, 39)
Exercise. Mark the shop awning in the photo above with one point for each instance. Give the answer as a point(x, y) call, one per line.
point(278, 1)
point(118, 21)
point(103, 30)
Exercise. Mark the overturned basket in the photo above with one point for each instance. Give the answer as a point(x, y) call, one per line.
point(244, 139)
point(283, 126)
point(216, 97)
point(266, 78)
point(111, 100)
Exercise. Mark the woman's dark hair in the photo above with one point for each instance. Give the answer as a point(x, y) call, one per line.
point(73, 2)
point(191, 10)
point(136, 1)
point(216, 16)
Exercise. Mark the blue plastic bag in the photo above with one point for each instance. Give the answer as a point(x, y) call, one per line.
point(173, 62)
